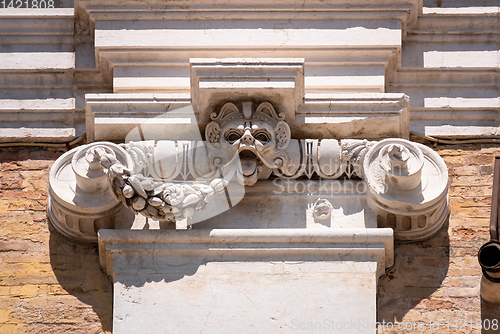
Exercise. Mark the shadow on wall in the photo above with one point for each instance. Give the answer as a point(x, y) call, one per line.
point(77, 270)
point(419, 271)
point(490, 317)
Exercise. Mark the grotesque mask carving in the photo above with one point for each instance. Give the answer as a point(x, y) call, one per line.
point(259, 136)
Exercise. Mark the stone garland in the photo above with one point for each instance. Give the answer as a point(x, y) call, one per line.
point(163, 201)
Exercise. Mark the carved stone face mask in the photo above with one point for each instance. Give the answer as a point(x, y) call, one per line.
point(258, 137)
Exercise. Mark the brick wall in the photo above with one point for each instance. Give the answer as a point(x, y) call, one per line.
point(439, 279)
point(47, 283)
point(51, 285)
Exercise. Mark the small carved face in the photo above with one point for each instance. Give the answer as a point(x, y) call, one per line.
point(322, 209)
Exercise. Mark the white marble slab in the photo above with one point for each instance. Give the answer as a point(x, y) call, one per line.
point(245, 280)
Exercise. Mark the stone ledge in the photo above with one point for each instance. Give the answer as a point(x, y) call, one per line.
point(368, 115)
point(222, 244)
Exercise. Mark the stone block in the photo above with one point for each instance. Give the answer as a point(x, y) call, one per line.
point(255, 283)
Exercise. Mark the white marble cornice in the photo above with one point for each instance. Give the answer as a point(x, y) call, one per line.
point(220, 244)
point(112, 116)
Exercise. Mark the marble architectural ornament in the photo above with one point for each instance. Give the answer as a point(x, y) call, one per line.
point(259, 137)
point(153, 198)
point(80, 198)
point(262, 140)
point(407, 184)
point(408, 188)
point(322, 209)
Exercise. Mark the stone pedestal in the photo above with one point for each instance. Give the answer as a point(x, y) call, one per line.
point(245, 280)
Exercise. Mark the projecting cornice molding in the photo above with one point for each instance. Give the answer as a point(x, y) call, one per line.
point(354, 47)
point(152, 53)
point(164, 116)
point(213, 82)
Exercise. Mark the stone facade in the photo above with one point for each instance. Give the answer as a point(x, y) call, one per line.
point(442, 54)
point(52, 285)
point(212, 107)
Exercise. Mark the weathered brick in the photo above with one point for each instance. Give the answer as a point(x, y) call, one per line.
point(462, 292)
point(12, 328)
point(11, 180)
point(24, 291)
point(435, 304)
point(464, 170)
point(465, 191)
point(18, 202)
point(35, 164)
point(50, 302)
point(35, 181)
point(481, 202)
point(14, 245)
point(22, 225)
point(26, 315)
point(5, 315)
point(458, 220)
point(486, 169)
point(11, 166)
point(23, 194)
point(472, 212)
point(23, 257)
point(465, 232)
point(62, 315)
point(465, 262)
point(453, 160)
point(10, 302)
point(463, 251)
point(26, 273)
point(437, 294)
point(468, 180)
point(79, 328)
point(59, 290)
point(454, 271)
point(480, 159)
point(50, 155)
point(14, 154)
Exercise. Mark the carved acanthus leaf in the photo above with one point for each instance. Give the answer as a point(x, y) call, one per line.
point(353, 153)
